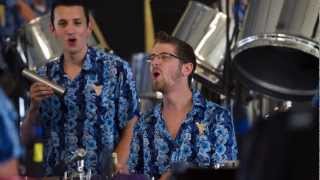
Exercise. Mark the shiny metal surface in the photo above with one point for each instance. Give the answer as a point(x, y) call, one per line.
point(211, 48)
point(263, 105)
point(204, 27)
point(35, 78)
point(278, 51)
point(79, 173)
point(194, 23)
point(227, 164)
point(293, 17)
point(81, 153)
point(37, 45)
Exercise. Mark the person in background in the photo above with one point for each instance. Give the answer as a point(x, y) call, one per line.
point(185, 127)
point(100, 105)
point(10, 149)
point(18, 12)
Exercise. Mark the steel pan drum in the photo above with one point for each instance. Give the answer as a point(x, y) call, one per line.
point(211, 48)
point(194, 23)
point(204, 29)
point(37, 45)
point(278, 51)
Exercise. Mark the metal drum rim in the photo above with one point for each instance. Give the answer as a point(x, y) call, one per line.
point(279, 40)
point(32, 23)
point(276, 40)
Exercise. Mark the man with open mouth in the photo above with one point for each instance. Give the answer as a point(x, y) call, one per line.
point(184, 128)
point(100, 104)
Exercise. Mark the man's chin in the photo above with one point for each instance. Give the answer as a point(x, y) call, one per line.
point(156, 87)
point(72, 50)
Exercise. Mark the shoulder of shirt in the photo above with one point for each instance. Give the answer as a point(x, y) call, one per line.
point(99, 55)
point(214, 107)
point(107, 57)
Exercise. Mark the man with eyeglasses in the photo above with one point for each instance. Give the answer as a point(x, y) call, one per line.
point(184, 127)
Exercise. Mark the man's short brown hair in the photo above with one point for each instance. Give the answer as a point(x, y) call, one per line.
point(183, 50)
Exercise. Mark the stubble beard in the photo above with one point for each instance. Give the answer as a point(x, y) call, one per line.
point(158, 85)
point(161, 85)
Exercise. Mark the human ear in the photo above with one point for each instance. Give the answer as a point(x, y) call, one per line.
point(187, 69)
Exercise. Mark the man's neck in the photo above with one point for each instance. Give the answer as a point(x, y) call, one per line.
point(176, 105)
point(179, 100)
point(75, 59)
point(72, 63)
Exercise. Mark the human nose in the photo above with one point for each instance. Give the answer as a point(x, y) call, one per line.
point(70, 29)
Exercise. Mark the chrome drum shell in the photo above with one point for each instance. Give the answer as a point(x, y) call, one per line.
point(278, 51)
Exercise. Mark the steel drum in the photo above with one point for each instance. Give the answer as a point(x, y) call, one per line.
point(211, 49)
point(278, 51)
point(37, 45)
point(204, 27)
point(194, 23)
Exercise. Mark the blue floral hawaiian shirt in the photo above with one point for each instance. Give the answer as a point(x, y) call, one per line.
point(206, 137)
point(96, 106)
point(9, 140)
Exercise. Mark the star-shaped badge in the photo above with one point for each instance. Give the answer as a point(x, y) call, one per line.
point(97, 89)
point(201, 128)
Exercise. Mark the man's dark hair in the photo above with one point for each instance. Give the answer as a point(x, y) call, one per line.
point(69, 3)
point(183, 50)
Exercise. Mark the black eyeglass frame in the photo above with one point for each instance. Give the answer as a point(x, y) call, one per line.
point(151, 57)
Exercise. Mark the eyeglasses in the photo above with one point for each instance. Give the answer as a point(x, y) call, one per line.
point(163, 56)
